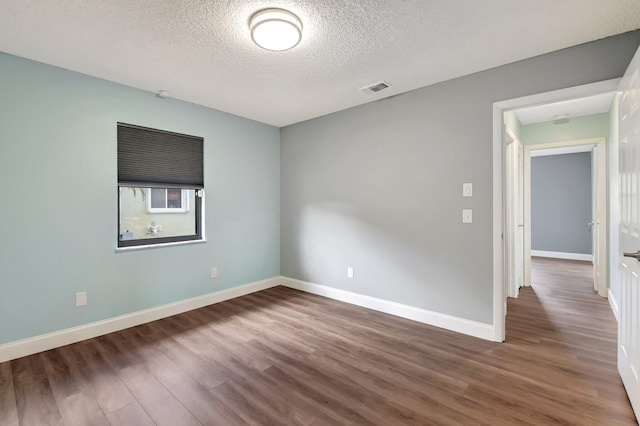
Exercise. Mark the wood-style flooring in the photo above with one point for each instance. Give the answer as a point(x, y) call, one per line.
point(284, 357)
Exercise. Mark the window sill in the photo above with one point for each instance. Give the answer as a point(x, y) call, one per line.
point(157, 246)
point(167, 211)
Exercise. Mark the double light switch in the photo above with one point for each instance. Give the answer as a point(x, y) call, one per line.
point(467, 214)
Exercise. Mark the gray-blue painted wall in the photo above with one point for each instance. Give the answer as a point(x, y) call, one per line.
point(561, 203)
point(58, 220)
point(379, 187)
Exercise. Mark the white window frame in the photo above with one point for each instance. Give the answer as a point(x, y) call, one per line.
point(184, 202)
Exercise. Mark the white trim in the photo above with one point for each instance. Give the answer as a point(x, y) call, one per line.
point(575, 149)
point(600, 211)
point(562, 255)
point(449, 322)
point(614, 306)
point(514, 160)
point(588, 143)
point(499, 299)
point(527, 216)
point(20, 348)
point(160, 245)
point(613, 172)
point(560, 95)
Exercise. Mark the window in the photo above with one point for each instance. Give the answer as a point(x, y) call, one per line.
point(168, 200)
point(160, 186)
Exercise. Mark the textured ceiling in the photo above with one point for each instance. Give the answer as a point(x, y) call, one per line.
point(201, 51)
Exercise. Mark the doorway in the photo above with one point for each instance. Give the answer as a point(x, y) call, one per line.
point(501, 212)
point(587, 219)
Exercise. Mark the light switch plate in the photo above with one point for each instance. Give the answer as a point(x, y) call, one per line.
point(467, 190)
point(349, 272)
point(467, 216)
point(81, 298)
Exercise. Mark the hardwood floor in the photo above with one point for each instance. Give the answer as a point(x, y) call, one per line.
point(285, 357)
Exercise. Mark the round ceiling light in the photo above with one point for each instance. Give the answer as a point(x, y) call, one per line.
point(275, 29)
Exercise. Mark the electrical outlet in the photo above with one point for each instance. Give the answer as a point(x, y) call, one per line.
point(214, 273)
point(81, 298)
point(467, 216)
point(349, 272)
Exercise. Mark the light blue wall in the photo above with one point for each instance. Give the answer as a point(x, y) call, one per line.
point(589, 126)
point(561, 203)
point(379, 187)
point(58, 221)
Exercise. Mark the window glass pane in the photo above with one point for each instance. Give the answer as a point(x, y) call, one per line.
point(158, 198)
point(174, 198)
point(136, 222)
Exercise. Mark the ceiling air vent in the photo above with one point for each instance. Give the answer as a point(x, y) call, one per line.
point(375, 88)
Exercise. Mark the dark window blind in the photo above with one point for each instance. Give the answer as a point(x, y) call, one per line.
point(156, 158)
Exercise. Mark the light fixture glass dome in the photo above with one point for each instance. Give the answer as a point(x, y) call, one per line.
point(275, 29)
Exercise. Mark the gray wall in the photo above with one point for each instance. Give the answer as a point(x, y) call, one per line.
point(378, 187)
point(561, 203)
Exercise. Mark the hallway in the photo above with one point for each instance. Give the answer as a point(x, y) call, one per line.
point(566, 336)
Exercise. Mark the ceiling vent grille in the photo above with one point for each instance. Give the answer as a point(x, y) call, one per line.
point(375, 88)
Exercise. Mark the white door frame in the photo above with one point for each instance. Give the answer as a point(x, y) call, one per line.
point(513, 221)
point(599, 185)
point(499, 206)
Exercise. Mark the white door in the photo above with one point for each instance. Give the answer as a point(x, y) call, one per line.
point(515, 215)
point(510, 219)
point(599, 221)
point(629, 326)
point(519, 245)
point(595, 217)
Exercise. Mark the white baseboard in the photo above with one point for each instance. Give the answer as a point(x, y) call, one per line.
point(44, 342)
point(562, 255)
point(56, 339)
point(614, 305)
point(449, 322)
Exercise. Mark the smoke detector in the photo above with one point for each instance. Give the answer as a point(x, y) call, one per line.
point(561, 118)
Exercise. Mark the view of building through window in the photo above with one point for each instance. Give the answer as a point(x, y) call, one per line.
point(156, 213)
point(164, 198)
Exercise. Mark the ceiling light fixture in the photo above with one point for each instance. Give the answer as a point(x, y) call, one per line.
point(275, 29)
point(561, 118)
